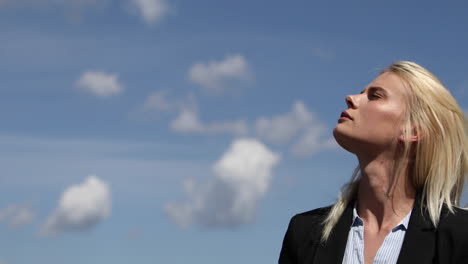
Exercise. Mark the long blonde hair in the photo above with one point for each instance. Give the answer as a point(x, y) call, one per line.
point(439, 158)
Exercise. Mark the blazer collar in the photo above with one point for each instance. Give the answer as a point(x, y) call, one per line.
point(418, 245)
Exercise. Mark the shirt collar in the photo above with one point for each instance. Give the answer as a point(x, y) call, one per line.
point(403, 225)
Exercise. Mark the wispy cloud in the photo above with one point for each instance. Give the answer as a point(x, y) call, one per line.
point(281, 128)
point(188, 121)
point(215, 76)
point(81, 207)
point(158, 101)
point(299, 129)
point(17, 215)
point(152, 11)
point(51, 2)
point(75, 7)
point(100, 83)
point(313, 141)
point(241, 177)
point(299, 125)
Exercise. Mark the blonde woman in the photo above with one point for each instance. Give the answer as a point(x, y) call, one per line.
point(401, 205)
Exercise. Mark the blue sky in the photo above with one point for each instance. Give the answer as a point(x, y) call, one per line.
point(167, 131)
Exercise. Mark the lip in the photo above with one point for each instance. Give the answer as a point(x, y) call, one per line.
point(345, 115)
point(342, 119)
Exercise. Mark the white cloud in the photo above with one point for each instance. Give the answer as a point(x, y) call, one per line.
point(300, 126)
point(80, 208)
point(189, 122)
point(312, 141)
point(281, 128)
point(100, 83)
point(152, 11)
point(215, 75)
point(76, 7)
point(157, 101)
point(17, 215)
point(48, 2)
point(238, 127)
point(241, 177)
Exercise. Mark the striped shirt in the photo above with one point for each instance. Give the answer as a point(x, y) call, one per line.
point(389, 250)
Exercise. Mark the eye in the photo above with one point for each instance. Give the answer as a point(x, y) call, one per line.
point(374, 96)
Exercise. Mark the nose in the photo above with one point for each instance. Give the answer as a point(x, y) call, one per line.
point(350, 101)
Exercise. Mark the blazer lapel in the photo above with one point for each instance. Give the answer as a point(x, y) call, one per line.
point(420, 240)
point(333, 250)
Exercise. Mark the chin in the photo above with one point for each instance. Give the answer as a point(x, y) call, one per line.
point(342, 140)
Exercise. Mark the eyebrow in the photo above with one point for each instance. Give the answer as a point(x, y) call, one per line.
point(374, 89)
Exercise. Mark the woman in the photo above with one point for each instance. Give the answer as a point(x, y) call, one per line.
point(401, 205)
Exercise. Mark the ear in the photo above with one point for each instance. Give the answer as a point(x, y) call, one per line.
point(414, 136)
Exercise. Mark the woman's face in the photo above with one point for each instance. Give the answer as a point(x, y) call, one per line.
point(372, 121)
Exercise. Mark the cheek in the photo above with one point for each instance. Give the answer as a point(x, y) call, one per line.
point(383, 116)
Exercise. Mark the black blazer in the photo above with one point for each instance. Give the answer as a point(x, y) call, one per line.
point(423, 243)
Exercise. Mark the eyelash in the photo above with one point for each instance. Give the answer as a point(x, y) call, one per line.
point(374, 95)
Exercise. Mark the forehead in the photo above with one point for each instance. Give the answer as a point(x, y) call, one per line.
point(391, 83)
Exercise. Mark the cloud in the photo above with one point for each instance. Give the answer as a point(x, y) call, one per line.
point(80, 208)
point(299, 128)
point(76, 7)
point(241, 177)
point(157, 101)
point(152, 11)
point(299, 125)
point(312, 141)
point(281, 128)
point(17, 215)
point(214, 76)
point(189, 122)
point(51, 2)
point(100, 83)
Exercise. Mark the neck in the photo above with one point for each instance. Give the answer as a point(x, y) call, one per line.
point(385, 195)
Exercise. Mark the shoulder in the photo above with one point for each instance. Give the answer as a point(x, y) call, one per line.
point(301, 229)
point(458, 217)
point(309, 220)
point(456, 220)
point(314, 214)
point(453, 236)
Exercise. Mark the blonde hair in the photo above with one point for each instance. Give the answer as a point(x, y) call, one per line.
point(439, 159)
